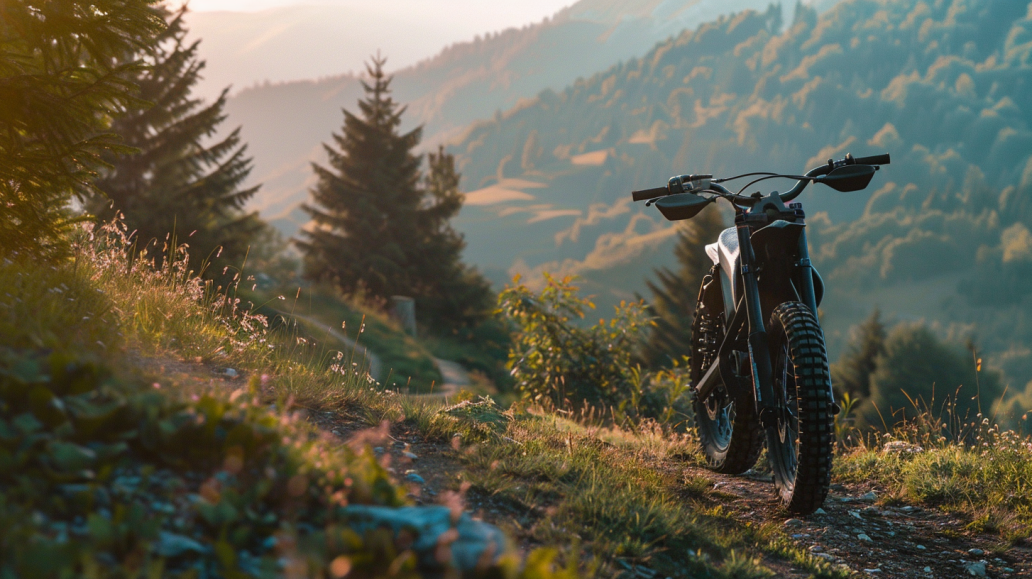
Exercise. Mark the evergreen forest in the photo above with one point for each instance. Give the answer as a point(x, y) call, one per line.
point(944, 239)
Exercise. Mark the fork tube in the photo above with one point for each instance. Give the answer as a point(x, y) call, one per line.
point(759, 351)
point(806, 275)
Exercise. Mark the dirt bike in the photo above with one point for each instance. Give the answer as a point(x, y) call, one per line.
point(759, 365)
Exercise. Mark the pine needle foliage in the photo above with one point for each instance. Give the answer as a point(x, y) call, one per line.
point(674, 293)
point(175, 186)
point(452, 295)
point(379, 226)
point(852, 373)
point(62, 77)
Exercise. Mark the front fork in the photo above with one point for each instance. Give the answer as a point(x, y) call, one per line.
point(759, 347)
point(758, 341)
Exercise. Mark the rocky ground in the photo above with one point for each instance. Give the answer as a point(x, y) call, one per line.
point(855, 528)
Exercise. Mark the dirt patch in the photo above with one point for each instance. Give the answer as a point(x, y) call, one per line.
point(856, 529)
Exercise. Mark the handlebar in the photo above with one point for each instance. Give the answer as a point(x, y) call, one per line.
point(646, 194)
point(828, 168)
point(873, 160)
point(715, 187)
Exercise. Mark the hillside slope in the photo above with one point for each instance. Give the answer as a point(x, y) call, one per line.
point(285, 124)
point(943, 230)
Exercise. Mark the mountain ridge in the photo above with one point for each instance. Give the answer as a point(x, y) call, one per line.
point(937, 87)
point(286, 122)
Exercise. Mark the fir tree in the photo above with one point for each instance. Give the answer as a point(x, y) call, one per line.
point(452, 294)
point(852, 373)
point(62, 77)
point(379, 227)
point(674, 293)
point(366, 202)
point(175, 185)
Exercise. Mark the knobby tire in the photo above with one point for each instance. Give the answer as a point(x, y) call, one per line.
point(802, 471)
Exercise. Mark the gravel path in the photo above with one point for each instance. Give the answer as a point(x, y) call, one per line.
point(857, 528)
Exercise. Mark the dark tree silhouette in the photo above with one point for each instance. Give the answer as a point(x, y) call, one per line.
point(63, 75)
point(379, 226)
point(674, 293)
point(175, 185)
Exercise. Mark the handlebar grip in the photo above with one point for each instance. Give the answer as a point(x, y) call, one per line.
point(645, 194)
point(873, 160)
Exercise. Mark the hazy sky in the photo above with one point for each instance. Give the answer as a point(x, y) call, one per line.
point(249, 41)
point(485, 15)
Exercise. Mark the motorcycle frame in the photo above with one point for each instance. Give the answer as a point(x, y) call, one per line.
point(748, 314)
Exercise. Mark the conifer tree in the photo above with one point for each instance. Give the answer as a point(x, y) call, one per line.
point(62, 77)
point(452, 294)
point(379, 226)
point(852, 372)
point(674, 293)
point(175, 184)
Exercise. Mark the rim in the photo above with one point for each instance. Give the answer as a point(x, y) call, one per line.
point(719, 420)
point(785, 436)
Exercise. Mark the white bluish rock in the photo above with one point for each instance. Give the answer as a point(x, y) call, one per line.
point(429, 523)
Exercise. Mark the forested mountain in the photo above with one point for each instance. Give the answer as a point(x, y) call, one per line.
point(943, 234)
point(284, 123)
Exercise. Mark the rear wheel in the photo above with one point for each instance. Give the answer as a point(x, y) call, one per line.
point(728, 429)
point(800, 445)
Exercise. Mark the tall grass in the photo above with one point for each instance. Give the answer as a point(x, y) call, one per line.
point(936, 458)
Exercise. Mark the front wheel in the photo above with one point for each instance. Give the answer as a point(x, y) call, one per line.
point(800, 445)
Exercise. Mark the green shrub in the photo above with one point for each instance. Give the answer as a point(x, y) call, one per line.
point(558, 363)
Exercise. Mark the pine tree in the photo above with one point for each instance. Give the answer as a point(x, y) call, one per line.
point(62, 77)
point(365, 203)
point(452, 294)
point(674, 293)
point(175, 185)
point(852, 372)
point(379, 227)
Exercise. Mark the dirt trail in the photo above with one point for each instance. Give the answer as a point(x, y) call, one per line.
point(375, 365)
point(858, 530)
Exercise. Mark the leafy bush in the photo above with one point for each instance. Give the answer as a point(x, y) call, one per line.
point(558, 363)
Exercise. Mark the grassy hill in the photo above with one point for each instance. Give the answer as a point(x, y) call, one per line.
point(128, 447)
point(942, 236)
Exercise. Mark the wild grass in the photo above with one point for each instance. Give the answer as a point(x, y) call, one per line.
point(151, 480)
point(612, 497)
point(616, 496)
point(935, 459)
point(406, 363)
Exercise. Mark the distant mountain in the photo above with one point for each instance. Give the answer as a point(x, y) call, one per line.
point(334, 37)
point(286, 123)
point(943, 235)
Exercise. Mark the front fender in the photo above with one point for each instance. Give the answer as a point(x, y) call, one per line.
point(779, 237)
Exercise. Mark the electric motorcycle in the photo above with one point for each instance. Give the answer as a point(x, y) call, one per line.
point(759, 365)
